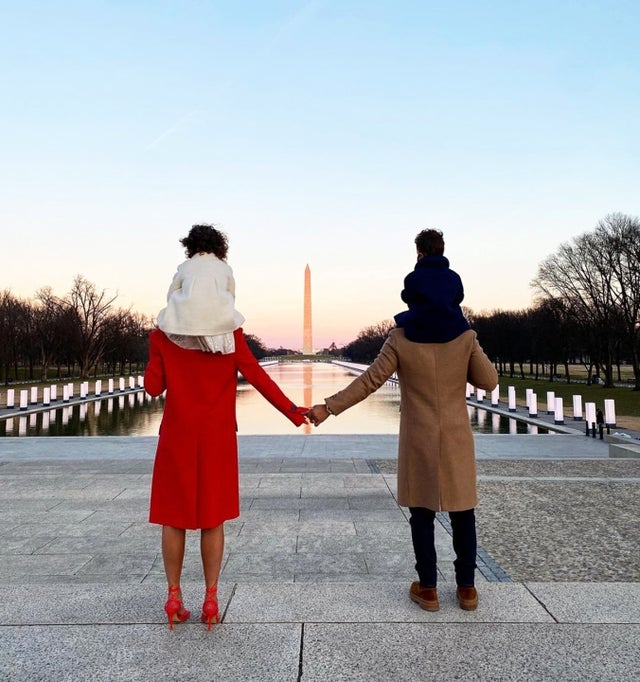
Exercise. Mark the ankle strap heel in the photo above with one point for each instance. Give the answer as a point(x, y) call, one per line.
point(174, 608)
point(210, 610)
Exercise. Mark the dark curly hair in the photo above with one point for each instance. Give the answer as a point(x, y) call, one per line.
point(430, 243)
point(206, 239)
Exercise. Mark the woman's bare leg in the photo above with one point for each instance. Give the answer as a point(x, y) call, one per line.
point(173, 541)
point(211, 549)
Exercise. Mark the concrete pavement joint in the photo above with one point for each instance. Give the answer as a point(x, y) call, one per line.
point(542, 604)
point(226, 608)
point(301, 658)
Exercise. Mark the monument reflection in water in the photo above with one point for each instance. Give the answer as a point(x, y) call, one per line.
point(305, 383)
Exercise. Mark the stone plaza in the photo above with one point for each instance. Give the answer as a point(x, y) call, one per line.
point(317, 568)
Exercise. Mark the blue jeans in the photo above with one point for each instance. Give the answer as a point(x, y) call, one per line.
point(463, 526)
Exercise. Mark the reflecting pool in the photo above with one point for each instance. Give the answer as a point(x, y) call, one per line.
point(305, 383)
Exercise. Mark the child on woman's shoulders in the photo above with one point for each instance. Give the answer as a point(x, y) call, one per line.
point(200, 312)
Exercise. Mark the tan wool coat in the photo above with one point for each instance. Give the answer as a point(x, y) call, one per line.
point(436, 455)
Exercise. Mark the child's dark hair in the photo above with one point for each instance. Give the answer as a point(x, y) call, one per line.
point(430, 243)
point(206, 239)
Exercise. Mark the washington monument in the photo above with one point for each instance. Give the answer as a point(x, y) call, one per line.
point(307, 339)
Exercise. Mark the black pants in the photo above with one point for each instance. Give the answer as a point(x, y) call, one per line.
point(463, 525)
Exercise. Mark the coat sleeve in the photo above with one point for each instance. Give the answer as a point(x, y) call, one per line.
point(369, 381)
point(250, 369)
point(460, 292)
point(154, 376)
point(176, 284)
point(231, 284)
point(409, 294)
point(481, 373)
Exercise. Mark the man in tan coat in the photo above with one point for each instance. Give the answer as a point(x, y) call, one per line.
point(436, 456)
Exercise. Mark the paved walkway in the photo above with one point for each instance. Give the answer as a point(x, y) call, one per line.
point(317, 567)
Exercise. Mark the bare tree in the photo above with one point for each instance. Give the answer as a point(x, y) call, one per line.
point(16, 336)
point(620, 237)
point(504, 338)
point(369, 341)
point(10, 333)
point(580, 275)
point(256, 346)
point(554, 336)
point(91, 309)
point(51, 325)
point(125, 335)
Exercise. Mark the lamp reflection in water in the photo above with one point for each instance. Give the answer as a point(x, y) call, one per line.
point(307, 399)
point(482, 417)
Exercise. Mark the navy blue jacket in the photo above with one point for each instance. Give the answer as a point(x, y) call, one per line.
point(433, 293)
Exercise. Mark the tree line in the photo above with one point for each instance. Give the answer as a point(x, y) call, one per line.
point(81, 334)
point(587, 311)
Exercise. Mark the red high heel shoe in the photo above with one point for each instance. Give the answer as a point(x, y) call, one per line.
point(174, 607)
point(210, 611)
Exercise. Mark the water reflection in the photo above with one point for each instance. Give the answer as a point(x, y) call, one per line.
point(484, 421)
point(130, 415)
point(305, 383)
point(308, 384)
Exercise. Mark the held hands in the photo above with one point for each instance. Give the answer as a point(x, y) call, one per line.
point(312, 415)
point(317, 414)
point(300, 415)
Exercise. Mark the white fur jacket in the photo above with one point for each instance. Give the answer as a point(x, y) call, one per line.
point(201, 299)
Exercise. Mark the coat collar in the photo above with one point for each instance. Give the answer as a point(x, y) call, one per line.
point(432, 262)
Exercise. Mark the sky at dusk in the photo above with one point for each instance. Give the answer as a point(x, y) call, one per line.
point(324, 133)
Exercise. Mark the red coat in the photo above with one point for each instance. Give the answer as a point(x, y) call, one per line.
point(195, 474)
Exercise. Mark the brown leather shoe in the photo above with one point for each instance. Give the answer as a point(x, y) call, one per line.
point(426, 597)
point(467, 598)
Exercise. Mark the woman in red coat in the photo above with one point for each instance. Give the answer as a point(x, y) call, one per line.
point(195, 474)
